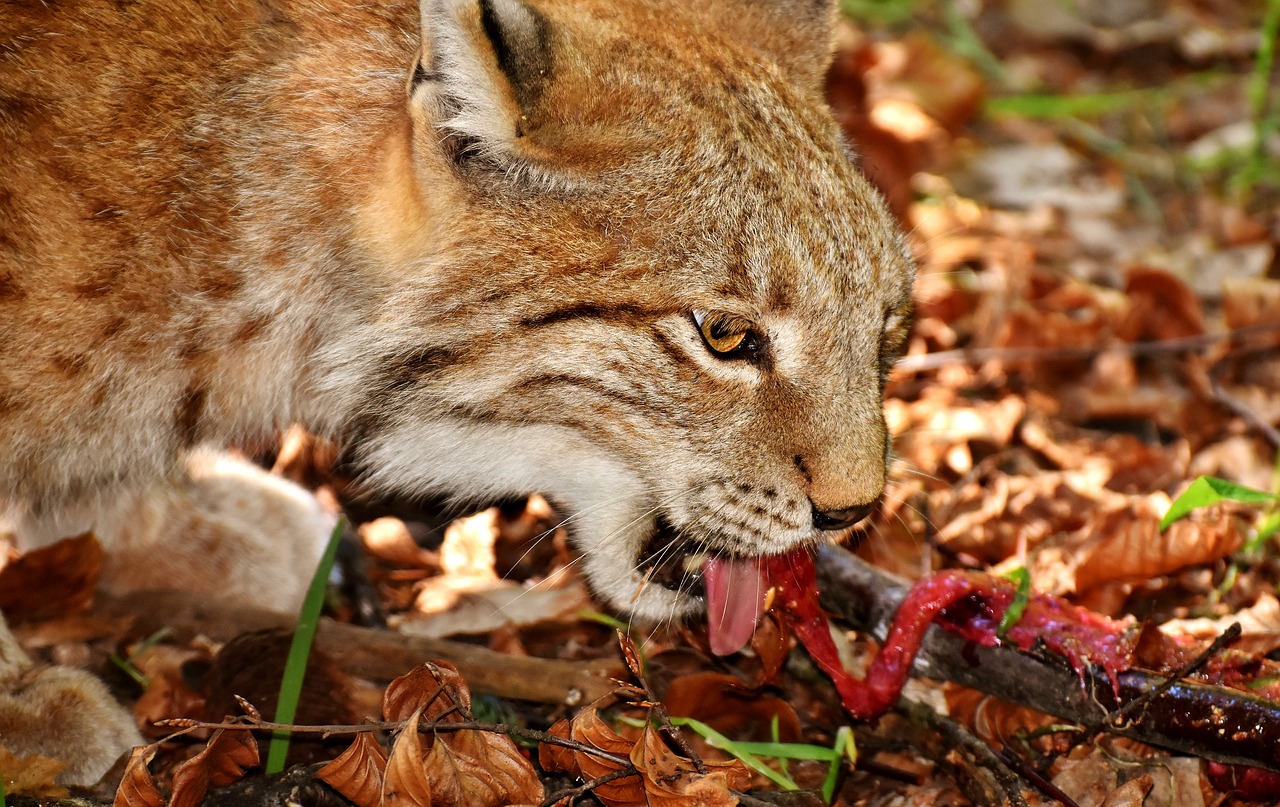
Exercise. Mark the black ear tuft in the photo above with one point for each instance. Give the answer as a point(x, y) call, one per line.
point(484, 67)
point(519, 36)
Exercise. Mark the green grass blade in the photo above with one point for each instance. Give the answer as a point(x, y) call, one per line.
point(300, 650)
point(785, 750)
point(843, 745)
point(717, 740)
point(1210, 490)
point(1260, 82)
point(1013, 613)
point(1087, 105)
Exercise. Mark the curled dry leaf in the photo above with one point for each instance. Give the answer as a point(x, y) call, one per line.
point(462, 768)
point(732, 708)
point(670, 780)
point(223, 761)
point(30, 774)
point(406, 783)
point(435, 689)
point(554, 757)
point(665, 778)
point(136, 787)
point(589, 729)
point(358, 772)
point(1128, 545)
point(998, 722)
point(52, 581)
point(480, 769)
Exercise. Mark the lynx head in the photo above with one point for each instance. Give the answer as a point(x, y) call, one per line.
point(648, 281)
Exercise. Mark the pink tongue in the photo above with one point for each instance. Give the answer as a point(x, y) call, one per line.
point(735, 598)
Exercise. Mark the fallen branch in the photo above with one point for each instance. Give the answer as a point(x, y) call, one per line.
point(1216, 723)
point(375, 654)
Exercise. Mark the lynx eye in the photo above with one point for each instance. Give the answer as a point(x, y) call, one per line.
point(725, 334)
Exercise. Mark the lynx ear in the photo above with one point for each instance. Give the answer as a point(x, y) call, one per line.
point(796, 34)
point(483, 68)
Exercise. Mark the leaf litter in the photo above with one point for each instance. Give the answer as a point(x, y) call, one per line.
point(1096, 328)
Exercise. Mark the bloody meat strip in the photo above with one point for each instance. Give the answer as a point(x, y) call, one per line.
point(968, 604)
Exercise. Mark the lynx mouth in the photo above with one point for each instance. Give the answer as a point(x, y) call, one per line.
point(733, 588)
point(675, 561)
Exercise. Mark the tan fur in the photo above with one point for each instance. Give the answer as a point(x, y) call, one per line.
point(62, 713)
point(218, 217)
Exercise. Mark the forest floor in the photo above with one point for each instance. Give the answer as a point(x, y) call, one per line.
point(1092, 190)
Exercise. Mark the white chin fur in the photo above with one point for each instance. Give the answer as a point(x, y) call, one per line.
point(606, 506)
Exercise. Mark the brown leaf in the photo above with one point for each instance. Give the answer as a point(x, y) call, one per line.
point(406, 783)
point(670, 780)
point(358, 772)
point(481, 769)
point(1161, 306)
point(31, 774)
point(434, 688)
point(996, 721)
point(589, 729)
point(389, 539)
point(52, 581)
point(772, 645)
point(730, 707)
point(1128, 545)
point(136, 788)
point(556, 758)
point(223, 761)
point(631, 654)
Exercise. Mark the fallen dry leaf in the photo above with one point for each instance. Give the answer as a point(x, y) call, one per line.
point(225, 758)
point(137, 789)
point(436, 689)
point(31, 774)
point(480, 769)
point(52, 581)
point(405, 782)
point(670, 780)
point(358, 772)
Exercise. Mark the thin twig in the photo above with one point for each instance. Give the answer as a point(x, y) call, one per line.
point(632, 656)
point(1020, 766)
point(185, 725)
point(1243, 411)
point(961, 739)
point(1117, 718)
point(574, 792)
point(979, 355)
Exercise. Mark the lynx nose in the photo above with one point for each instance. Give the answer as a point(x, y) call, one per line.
point(839, 519)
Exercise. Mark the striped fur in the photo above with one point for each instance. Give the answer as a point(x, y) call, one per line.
point(466, 238)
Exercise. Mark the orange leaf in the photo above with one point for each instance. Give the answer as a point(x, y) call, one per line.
point(406, 783)
point(358, 772)
point(670, 780)
point(556, 758)
point(136, 788)
point(31, 774)
point(223, 761)
point(483, 769)
point(434, 688)
point(52, 581)
point(730, 707)
point(589, 729)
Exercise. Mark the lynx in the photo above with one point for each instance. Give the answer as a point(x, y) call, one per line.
point(614, 251)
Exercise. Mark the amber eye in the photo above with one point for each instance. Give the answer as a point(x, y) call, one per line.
point(724, 333)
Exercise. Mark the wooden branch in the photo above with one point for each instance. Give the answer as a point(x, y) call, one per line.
point(1216, 723)
point(376, 654)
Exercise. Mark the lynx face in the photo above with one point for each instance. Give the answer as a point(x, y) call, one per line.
point(615, 252)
